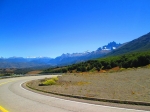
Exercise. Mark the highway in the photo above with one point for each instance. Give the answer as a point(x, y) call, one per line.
point(14, 98)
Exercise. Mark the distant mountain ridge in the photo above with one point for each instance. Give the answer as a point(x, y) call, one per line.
point(111, 49)
point(20, 62)
point(64, 59)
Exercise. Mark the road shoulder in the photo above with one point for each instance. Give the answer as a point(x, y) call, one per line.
point(138, 107)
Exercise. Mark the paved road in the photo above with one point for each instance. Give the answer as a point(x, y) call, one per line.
point(14, 98)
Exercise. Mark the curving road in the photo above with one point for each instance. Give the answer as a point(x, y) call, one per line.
point(14, 98)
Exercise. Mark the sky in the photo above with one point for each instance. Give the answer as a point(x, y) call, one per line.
point(53, 27)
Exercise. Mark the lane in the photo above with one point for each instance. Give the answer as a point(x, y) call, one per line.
point(14, 98)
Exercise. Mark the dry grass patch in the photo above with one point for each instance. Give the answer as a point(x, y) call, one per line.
point(128, 85)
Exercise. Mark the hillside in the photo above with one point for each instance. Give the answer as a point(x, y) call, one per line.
point(135, 53)
point(140, 44)
point(130, 60)
point(111, 49)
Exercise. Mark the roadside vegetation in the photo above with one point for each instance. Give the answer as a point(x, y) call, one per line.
point(137, 59)
point(46, 81)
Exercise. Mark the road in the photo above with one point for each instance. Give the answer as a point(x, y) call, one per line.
point(14, 98)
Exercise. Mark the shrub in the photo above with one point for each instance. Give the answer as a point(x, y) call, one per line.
point(122, 69)
point(49, 82)
point(64, 70)
point(93, 70)
point(55, 78)
point(148, 66)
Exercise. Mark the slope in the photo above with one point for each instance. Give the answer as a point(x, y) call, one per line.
point(140, 44)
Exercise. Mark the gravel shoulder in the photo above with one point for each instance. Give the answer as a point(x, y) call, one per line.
point(128, 85)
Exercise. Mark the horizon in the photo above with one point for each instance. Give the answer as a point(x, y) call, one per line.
point(56, 56)
point(51, 28)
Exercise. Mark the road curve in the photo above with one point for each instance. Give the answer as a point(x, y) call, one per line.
point(14, 98)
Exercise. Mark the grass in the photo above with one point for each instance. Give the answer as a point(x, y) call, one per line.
point(81, 83)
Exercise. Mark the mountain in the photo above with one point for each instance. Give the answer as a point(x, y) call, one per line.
point(140, 44)
point(111, 46)
point(20, 62)
point(64, 59)
point(135, 53)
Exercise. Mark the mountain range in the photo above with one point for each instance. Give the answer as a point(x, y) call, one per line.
point(111, 49)
point(64, 59)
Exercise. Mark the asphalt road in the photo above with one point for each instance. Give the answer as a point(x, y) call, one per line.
point(14, 98)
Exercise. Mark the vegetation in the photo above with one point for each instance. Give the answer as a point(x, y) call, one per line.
point(51, 81)
point(11, 71)
point(130, 60)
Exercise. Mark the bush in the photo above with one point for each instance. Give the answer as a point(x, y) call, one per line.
point(122, 69)
point(49, 82)
point(64, 70)
point(55, 78)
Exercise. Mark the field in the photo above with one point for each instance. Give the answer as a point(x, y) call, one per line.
point(126, 85)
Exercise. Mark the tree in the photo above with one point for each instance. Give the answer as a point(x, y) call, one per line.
point(64, 70)
point(98, 68)
point(83, 69)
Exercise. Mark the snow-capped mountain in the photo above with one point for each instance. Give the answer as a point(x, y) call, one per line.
point(67, 58)
point(111, 46)
point(140, 44)
point(75, 54)
point(64, 59)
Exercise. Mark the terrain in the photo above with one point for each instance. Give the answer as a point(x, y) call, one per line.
point(140, 44)
point(14, 98)
point(135, 53)
point(129, 60)
point(64, 59)
point(121, 85)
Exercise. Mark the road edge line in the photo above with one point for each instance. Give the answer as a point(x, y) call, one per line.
point(2, 109)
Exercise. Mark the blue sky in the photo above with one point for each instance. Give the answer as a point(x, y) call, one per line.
point(52, 27)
